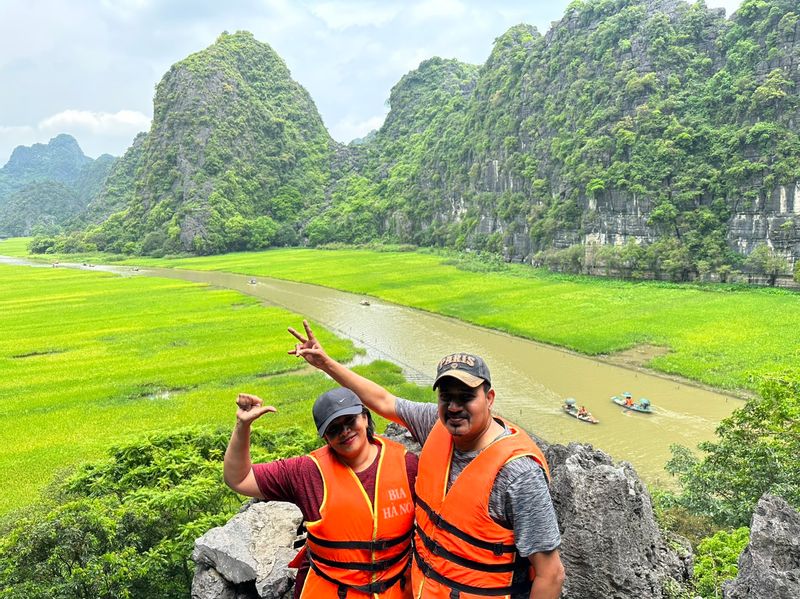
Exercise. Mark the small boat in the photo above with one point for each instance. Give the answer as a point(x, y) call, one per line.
point(643, 405)
point(252, 281)
point(572, 410)
point(364, 302)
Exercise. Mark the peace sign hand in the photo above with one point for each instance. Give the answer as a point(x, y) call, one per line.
point(309, 348)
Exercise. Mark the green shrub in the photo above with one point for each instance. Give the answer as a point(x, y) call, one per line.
point(124, 527)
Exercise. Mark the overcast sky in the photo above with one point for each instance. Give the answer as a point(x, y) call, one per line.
point(89, 67)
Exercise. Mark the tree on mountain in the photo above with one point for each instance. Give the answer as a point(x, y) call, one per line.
point(764, 260)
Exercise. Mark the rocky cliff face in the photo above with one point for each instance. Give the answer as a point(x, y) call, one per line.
point(235, 147)
point(770, 565)
point(630, 120)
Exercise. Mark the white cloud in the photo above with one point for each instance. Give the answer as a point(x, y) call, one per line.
point(436, 9)
point(343, 15)
point(350, 128)
point(103, 123)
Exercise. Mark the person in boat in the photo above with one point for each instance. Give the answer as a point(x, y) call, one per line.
point(628, 401)
point(583, 411)
point(337, 488)
point(480, 478)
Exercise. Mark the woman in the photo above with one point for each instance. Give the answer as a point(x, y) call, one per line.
point(355, 494)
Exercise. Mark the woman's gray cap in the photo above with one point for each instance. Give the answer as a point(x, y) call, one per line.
point(332, 404)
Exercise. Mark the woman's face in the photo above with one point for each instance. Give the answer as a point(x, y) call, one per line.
point(347, 435)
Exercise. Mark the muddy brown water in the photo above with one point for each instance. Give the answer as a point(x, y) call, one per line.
point(531, 379)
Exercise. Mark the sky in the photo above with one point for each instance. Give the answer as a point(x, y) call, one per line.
point(89, 67)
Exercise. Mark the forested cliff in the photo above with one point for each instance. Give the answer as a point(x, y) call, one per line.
point(634, 136)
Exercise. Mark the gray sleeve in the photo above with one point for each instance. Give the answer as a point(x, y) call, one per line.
point(418, 416)
point(521, 500)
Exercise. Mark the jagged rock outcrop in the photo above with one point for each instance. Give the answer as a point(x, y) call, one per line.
point(248, 557)
point(611, 546)
point(769, 568)
point(237, 155)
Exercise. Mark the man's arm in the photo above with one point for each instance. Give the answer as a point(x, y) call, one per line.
point(375, 397)
point(549, 575)
point(237, 468)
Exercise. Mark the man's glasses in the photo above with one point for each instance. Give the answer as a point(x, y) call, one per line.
point(338, 425)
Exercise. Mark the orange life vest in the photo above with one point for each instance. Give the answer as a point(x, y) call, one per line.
point(459, 551)
point(357, 549)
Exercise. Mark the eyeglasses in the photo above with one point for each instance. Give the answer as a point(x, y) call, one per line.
point(337, 426)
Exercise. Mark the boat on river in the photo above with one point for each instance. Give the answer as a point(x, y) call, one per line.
point(571, 409)
point(643, 405)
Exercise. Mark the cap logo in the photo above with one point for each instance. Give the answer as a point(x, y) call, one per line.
point(456, 359)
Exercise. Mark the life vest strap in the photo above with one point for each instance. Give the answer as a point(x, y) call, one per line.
point(378, 566)
point(439, 522)
point(379, 545)
point(459, 587)
point(379, 587)
point(437, 549)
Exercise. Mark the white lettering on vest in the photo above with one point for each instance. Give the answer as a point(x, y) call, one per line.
point(395, 494)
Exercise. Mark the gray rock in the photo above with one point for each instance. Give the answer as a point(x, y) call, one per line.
point(401, 434)
point(769, 567)
point(210, 584)
point(254, 546)
point(611, 546)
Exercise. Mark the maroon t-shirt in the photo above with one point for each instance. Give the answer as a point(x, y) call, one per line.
point(298, 481)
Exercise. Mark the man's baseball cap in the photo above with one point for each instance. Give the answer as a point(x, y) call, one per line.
point(332, 404)
point(467, 368)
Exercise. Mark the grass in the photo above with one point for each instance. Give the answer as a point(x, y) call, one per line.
point(723, 336)
point(89, 359)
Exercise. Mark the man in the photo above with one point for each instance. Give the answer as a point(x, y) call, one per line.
point(485, 521)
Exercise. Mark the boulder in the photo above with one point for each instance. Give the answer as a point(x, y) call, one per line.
point(248, 556)
point(769, 567)
point(611, 545)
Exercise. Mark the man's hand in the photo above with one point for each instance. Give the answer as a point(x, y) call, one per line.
point(309, 348)
point(251, 407)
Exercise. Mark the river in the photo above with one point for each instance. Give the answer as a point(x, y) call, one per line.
point(531, 380)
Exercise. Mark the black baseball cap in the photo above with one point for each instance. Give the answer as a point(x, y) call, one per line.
point(467, 368)
point(332, 404)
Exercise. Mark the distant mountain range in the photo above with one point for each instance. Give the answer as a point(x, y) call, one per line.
point(43, 187)
point(635, 136)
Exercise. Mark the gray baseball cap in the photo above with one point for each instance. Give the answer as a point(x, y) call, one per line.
point(467, 368)
point(332, 404)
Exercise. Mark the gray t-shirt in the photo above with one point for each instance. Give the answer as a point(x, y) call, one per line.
point(519, 499)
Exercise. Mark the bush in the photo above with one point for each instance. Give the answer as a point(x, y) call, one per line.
point(125, 527)
point(717, 560)
point(755, 452)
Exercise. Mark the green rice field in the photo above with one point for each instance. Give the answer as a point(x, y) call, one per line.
point(89, 359)
point(721, 335)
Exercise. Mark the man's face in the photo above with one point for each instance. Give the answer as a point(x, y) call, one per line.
point(465, 411)
point(347, 435)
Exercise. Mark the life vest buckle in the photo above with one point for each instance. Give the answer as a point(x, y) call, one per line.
point(498, 549)
point(455, 593)
point(342, 592)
